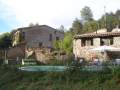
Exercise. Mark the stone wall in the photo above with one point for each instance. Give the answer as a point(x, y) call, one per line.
point(96, 41)
point(17, 52)
point(35, 35)
point(43, 55)
point(84, 52)
point(80, 52)
point(116, 42)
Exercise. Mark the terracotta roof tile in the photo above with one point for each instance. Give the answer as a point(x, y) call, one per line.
point(94, 35)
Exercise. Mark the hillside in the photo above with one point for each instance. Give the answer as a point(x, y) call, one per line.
point(13, 79)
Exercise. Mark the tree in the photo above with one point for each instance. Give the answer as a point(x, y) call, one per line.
point(117, 14)
point(65, 44)
point(76, 26)
point(31, 25)
point(111, 21)
point(86, 14)
point(90, 26)
point(5, 40)
point(61, 28)
point(57, 45)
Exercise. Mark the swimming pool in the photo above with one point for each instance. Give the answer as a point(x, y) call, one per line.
point(44, 68)
point(59, 68)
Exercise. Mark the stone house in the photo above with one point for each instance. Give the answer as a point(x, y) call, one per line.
point(28, 40)
point(84, 42)
point(37, 36)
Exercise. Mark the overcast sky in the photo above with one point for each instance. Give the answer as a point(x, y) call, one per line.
point(19, 13)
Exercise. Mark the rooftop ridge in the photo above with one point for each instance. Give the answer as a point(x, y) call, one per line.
point(92, 35)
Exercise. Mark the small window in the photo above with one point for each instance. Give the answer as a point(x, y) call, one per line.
point(40, 44)
point(23, 35)
point(82, 42)
point(106, 41)
point(111, 41)
point(57, 38)
point(87, 42)
point(55, 32)
point(50, 37)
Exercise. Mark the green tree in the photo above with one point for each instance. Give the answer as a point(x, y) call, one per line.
point(67, 43)
point(86, 14)
point(90, 26)
point(111, 21)
point(5, 43)
point(117, 14)
point(62, 28)
point(5, 40)
point(57, 44)
point(76, 26)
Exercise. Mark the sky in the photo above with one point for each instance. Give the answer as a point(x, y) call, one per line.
point(20, 13)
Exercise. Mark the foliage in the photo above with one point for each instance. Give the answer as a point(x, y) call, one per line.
point(86, 14)
point(18, 38)
point(5, 40)
point(58, 44)
point(62, 29)
point(65, 44)
point(110, 20)
point(90, 26)
point(87, 24)
point(13, 79)
point(76, 26)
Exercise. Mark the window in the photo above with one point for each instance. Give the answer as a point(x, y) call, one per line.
point(57, 38)
point(82, 42)
point(106, 41)
point(50, 37)
point(40, 44)
point(87, 42)
point(55, 32)
point(23, 36)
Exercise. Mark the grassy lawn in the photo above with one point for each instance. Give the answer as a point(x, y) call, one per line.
point(13, 79)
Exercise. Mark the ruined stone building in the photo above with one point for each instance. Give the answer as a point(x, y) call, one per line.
point(37, 36)
point(27, 40)
point(84, 42)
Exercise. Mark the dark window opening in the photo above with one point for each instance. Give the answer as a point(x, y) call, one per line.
point(23, 35)
point(57, 38)
point(82, 42)
point(55, 32)
point(87, 42)
point(106, 41)
point(40, 44)
point(50, 37)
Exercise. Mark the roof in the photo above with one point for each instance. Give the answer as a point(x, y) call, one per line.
point(34, 26)
point(37, 27)
point(95, 35)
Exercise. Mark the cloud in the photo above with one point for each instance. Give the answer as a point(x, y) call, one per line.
point(18, 13)
point(41, 11)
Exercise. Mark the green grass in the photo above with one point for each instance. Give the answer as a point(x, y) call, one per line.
point(13, 79)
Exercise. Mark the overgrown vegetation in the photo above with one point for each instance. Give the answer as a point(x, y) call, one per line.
point(88, 24)
point(65, 45)
point(5, 43)
point(5, 40)
point(13, 79)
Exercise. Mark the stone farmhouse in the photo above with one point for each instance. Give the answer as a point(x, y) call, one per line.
point(84, 42)
point(29, 40)
point(37, 36)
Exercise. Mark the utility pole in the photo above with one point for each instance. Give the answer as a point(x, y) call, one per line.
point(105, 17)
